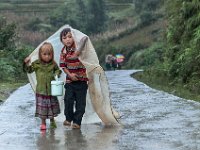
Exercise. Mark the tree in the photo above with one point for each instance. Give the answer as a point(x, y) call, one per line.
point(82, 16)
point(66, 14)
point(7, 34)
point(183, 38)
point(96, 16)
point(87, 16)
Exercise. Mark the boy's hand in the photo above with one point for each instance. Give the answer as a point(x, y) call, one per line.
point(82, 43)
point(68, 81)
point(73, 76)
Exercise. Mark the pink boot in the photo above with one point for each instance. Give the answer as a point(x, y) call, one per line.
point(43, 127)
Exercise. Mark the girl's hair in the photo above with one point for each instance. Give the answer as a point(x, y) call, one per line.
point(47, 47)
point(64, 33)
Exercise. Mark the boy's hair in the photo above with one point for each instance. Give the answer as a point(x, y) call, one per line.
point(64, 33)
point(46, 46)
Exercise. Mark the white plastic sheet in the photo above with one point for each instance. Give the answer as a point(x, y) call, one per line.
point(98, 106)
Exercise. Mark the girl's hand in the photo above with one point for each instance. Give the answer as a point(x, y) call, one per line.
point(73, 76)
point(27, 60)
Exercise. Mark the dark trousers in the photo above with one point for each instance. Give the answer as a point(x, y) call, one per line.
point(75, 95)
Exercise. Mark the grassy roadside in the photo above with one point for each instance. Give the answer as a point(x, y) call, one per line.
point(6, 88)
point(161, 83)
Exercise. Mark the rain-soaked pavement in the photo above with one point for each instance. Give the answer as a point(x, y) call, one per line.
point(151, 120)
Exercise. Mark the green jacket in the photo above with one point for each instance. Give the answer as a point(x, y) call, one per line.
point(45, 73)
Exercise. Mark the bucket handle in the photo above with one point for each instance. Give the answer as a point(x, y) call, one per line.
point(56, 77)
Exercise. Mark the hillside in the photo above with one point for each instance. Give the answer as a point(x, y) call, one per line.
point(136, 37)
point(129, 29)
point(22, 12)
point(25, 12)
point(25, 6)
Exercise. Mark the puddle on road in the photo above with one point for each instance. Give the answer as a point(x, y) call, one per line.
point(151, 120)
point(90, 137)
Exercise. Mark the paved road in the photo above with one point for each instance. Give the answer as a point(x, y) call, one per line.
point(151, 120)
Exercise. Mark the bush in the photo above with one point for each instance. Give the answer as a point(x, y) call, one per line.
point(144, 58)
point(7, 35)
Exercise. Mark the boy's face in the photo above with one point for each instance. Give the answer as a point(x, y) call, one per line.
point(68, 40)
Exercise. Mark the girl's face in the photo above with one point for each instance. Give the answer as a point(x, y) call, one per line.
point(46, 55)
point(68, 40)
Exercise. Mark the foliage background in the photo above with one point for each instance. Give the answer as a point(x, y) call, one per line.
point(161, 37)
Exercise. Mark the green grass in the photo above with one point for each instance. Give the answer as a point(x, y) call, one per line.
point(6, 88)
point(6, 6)
point(121, 13)
point(141, 36)
point(16, 5)
point(162, 83)
point(30, 5)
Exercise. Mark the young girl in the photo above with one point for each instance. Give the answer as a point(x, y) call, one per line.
point(76, 80)
point(45, 68)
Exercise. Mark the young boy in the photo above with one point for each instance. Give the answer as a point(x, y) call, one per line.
point(76, 79)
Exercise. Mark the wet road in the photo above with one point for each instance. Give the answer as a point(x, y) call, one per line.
point(151, 120)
